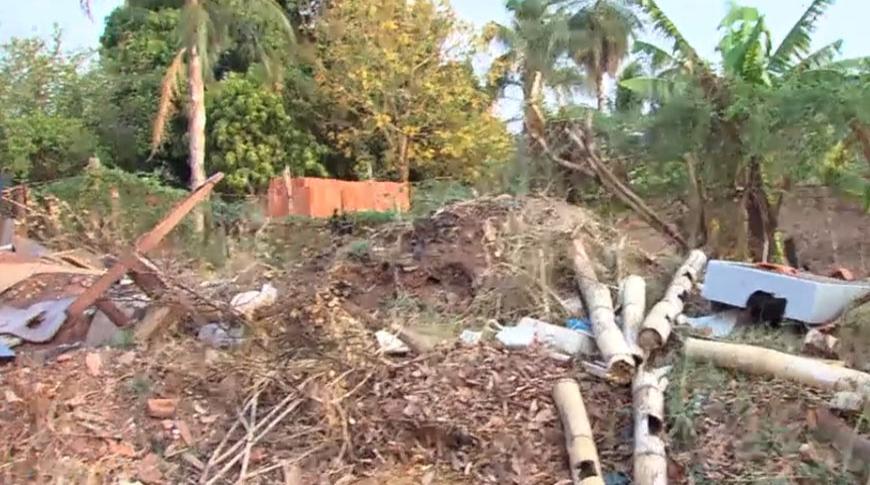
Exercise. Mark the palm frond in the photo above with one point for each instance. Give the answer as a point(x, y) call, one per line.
point(820, 58)
point(166, 106)
point(663, 24)
point(652, 88)
point(797, 42)
point(855, 64)
point(658, 57)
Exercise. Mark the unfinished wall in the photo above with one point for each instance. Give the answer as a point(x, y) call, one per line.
point(317, 197)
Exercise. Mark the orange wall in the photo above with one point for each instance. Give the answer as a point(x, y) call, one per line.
point(316, 197)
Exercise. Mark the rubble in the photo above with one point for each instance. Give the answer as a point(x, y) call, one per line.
point(161, 408)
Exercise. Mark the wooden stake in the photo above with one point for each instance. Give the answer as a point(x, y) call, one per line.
point(650, 460)
point(632, 298)
point(771, 363)
point(582, 454)
point(614, 349)
point(657, 324)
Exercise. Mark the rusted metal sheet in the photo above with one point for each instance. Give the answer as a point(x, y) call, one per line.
point(145, 243)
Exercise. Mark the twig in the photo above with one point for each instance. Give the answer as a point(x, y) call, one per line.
point(247, 456)
point(214, 456)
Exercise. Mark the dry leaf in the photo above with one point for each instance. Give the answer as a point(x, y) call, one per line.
point(184, 430)
point(11, 397)
point(121, 448)
point(94, 364)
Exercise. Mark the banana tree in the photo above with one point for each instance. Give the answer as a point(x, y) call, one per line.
point(750, 68)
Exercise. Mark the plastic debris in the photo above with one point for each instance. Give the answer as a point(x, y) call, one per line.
point(847, 401)
point(718, 325)
point(470, 337)
point(561, 339)
point(802, 296)
point(579, 324)
point(6, 353)
point(249, 302)
point(389, 344)
point(37, 323)
point(219, 337)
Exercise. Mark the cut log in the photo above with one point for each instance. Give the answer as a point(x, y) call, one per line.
point(650, 459)
point(658, 323)
point(582, 454)
point(632, 299)
point(771, 363)
point(596, 296)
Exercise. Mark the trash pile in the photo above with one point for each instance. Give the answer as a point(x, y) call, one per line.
point(552, 360)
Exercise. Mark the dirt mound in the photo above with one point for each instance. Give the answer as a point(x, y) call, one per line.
point(498, 258)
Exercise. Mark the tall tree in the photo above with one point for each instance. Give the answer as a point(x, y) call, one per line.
point(536, 41)
point(602, 31)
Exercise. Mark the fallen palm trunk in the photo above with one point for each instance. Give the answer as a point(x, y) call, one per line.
point(632, 296)
point(650, 460)
point(657, 324)
point(614, 349)
point(767, 362)
point(582, 454)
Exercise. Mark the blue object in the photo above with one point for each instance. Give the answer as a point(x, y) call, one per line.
point(578, 324)
point(6, 353)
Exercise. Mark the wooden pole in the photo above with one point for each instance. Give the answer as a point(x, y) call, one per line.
point(771, 363)
point(582, 454)
point(657, 324)
point(650, 459)
point(614, 349)
point(632, 299)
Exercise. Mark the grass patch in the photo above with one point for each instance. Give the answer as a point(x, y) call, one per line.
point(429, 196)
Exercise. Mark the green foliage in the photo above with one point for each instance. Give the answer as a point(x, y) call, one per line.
point(400, 93)
point(252, 137)
point(46, 99)
point(427, 197)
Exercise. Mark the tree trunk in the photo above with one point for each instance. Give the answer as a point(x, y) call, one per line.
point(632, 296)
point(582, 454)
point(599, 91)
point(599, 305)
point(196, 124)
point(772, 363)
point(404, 169)
point(697, 219)
point(657, 324)
point(648, 397)
point(863, 135)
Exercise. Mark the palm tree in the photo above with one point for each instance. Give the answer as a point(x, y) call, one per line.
point(602, 31)
point(535, 42)
point(202, 35)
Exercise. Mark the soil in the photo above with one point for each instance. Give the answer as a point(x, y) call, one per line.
point(352, 415)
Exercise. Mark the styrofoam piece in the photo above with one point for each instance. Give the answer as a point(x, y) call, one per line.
point(810, 298)
point(250, 301)
point(470, 337)
point(390, 344)
point(717, 325)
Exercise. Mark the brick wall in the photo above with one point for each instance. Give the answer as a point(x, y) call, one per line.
point(317, 197)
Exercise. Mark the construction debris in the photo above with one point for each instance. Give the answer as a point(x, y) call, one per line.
point(658, 323)
point(219, 337)
point(819, 344)
point(249, 302)
point(389, 344)
point(781, 293)
point(849, 401)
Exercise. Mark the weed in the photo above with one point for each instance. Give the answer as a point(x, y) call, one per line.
point(373, 218)
point(124, 339)
point(140, 385)
point(360, 250)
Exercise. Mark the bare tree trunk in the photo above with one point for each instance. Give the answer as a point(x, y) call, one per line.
point(697, 224)
point(599, 91)
point(196, 123)
point(404, 169)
